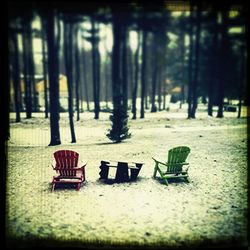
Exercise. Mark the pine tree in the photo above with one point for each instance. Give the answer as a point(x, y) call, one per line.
point(119, 118)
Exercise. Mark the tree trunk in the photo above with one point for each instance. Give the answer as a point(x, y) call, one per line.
point(247, 40)
point(124, 70)
point(196, 66)
point(106, 82)
point(77, 82)
point(190, 64)
point(116, 66)
point(26, 73)
point(130, 73)
point(242, 79)
point(53, 80)
point(68, 50)
point(45, 69)
point(96, 69)
point(135, 85)
point(85, 82)
point(154, 76)
point(159, 87)
point(16, 76)
point(107, 71)
point(32, 69)
point(222, 63)
point(164, 94)
point(143, 71)
point(98, 73)
point(182, 52)
point(213, 64)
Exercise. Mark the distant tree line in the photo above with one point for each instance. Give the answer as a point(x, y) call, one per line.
point(205, 59)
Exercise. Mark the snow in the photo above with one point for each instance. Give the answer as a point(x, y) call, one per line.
point(212, 208)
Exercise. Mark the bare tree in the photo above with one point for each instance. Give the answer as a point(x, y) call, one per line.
point(124, 66)
point(85, 82)
point(154, 72)
point(223, 46)
point(45, 70)
point(242, 77)
point(196, 62)
point(26, 22)
point(53, 47)
point(15, 70)
point(213, 62)
point(96, 66)
point(143, 71)
point(136, 75)
point(182, 58)
point(77, 70)
point(68, 52)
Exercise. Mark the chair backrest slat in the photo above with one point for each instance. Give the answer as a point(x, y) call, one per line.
point(67, 172)
point(65, 161)
point(176, 156)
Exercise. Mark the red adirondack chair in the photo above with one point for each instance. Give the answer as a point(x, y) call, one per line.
point(66, 164)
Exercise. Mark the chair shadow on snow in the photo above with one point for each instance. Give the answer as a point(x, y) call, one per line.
point(111, 181)
point(170, 181)
point(65, 186)
point(109, 143)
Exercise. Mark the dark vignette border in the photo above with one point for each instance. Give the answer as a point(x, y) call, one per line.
point(173, 5)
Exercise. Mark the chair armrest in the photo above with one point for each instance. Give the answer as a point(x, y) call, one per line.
point(179, 163)
point(187, 167)
point(136, 162)
point(55, 168)
point(79, 168)
point(159, 162)
point(167, 164)
point(82, 164)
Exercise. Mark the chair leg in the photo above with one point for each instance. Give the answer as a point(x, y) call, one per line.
point(155, 170)
point(53, 187)
point(165, 181)
point(78, 186)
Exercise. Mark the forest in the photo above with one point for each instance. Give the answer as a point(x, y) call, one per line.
point(125, 58)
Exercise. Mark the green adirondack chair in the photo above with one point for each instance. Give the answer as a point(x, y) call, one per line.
point(173, 168)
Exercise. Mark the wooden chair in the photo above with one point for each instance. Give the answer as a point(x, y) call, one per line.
point(173, 168)
point(66, 164)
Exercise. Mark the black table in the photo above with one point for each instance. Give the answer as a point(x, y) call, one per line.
point(122, 170)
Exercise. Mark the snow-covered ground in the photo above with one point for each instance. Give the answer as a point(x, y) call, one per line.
point(211, 209)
